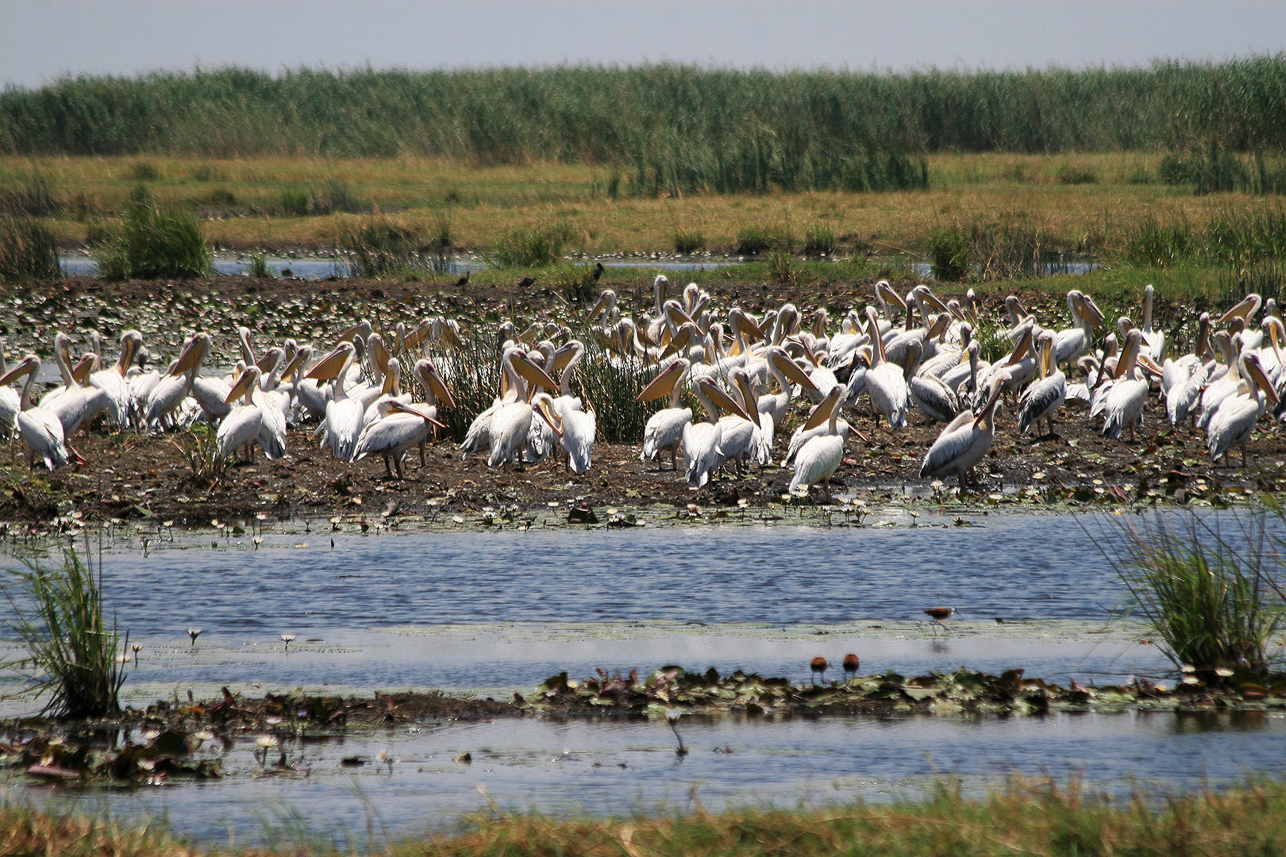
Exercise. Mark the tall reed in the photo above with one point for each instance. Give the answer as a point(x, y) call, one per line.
point(28, 251)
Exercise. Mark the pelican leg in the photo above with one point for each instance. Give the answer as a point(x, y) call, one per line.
point(397, 462)
point(388, 465)
point(423, 463)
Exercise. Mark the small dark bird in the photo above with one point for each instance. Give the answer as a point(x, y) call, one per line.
point(819, 666)
point(851, 663)
point(937, 614)
point(598, 272)
point(463, 281)
point(525, 282)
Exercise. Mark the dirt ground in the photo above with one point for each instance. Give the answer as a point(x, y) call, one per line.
point(131, 477)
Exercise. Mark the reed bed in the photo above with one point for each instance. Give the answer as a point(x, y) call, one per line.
point(666, 128)
point(28, 251)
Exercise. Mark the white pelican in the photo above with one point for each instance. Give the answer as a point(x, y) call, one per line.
point(786, 373)
point(819, 458)
point(343, 414)
point(740, 437)
point(701, 450)
point(10, 401)
point(1220, 385)
point(251, 423)
point(1153, 340)
point(511, 422)
point(1043, 397)
point(1234, 421)
point(112, 380)
point(399, 427)
point(1076, 340)
point(1129, 390)
point(39, 428)
point(577, 425)
point(664, 429)
point(173, 387)
point(885, 382)
point(934, 399)
point(964, 442)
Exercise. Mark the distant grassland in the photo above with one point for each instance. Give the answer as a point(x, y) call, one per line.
point(659, 129)
point(1089, 204)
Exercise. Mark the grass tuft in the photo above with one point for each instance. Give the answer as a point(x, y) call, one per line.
point(688, 242)
point(75, 655)
point(156, 244)
point(378, 248)
point(28, 251)
point(1211, 592)
point(533, 248)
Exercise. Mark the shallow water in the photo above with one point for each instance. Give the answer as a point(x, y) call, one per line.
point(499, 611)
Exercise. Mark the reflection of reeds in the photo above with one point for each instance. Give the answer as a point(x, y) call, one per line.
point(1210, 589)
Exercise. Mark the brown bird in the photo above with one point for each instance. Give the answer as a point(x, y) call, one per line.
point(937, 614)
point(525, 282)
point(818, 665)
point(851, 663)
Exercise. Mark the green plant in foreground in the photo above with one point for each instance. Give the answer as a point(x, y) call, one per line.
point(76, 656)
point(1211, 591)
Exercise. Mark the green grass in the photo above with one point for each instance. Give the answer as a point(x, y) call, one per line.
point(533, 247)
point(1212, 593)
point(377, 248)
point(1036, 817)
point(73, 655)
point(156, 243)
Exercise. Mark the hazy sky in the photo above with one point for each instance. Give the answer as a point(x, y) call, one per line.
point(42, 39)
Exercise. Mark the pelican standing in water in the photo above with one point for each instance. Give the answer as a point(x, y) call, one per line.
point(664, 430)
point(965, 440)
point(819, 458)
point(40, 429)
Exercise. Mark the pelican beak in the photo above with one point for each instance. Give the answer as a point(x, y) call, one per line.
point(84, 366)
point(24, 367)
point(417, 336)
point(1091, 312)
point(890, 294)
point(1241, 310)
point(380, 355)
point(1260, 378)
point(562, 357)
point(332, 364)
point(542, 408)
point(429, 375)
point(241, 387)
point(267, 361)
point(1149, 364)
point(723, 401)
point(1024, 347)
point(533, 373)
point(934, 301)
point(399, 407)
point(295, 362)
point(822, 413)
point(680, 340)
point(939, 326)
point(794, 374)
point(191, 355)
point(748, 395)
point(361, 329)
point(663, 384)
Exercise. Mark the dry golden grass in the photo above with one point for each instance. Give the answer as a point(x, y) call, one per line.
point(483, 204)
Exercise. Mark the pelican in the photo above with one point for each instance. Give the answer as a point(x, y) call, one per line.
point(741, 438)
point(1234, 421)
point(251, 423)
point(112, 380)
point(934, 399)
point(1153, 340)
point(885, 383)
point(511, 422)
point(1129, 391)
point(786, 373)
point(701, 449)
point(343, 414)
point(173, 387)
point(40, 429)
point(1042, 399)
point(819, 458)
point(399, 427)
point(577, 426)
point(10, 401)
point(1076, 340)
point(964, 442)
point(665, 429)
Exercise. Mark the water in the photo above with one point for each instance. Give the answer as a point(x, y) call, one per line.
point(494, 612)
point(314, 268)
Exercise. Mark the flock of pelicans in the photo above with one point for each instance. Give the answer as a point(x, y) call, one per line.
point(902, 355)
